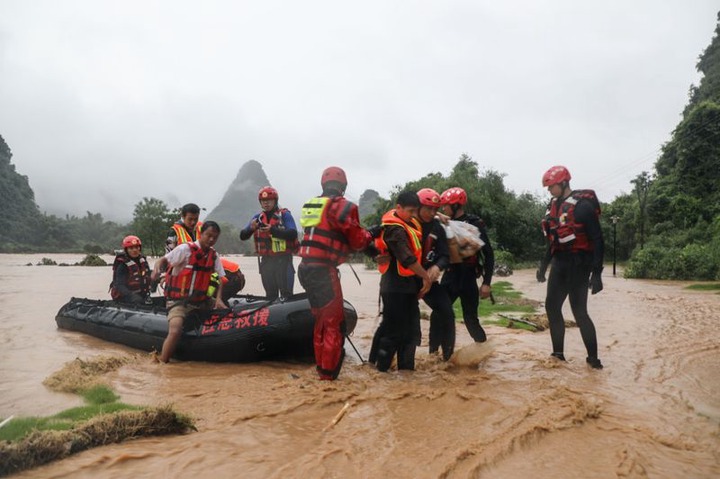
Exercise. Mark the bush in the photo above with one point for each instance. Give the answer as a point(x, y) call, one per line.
point(92, 260)
point(693, 261)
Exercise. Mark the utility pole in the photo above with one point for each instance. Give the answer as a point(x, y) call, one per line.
point(614, 223)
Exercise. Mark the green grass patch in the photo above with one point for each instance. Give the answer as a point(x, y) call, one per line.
point(506, 300)
point(27, 442)
point(100, 400)
point(704, 286)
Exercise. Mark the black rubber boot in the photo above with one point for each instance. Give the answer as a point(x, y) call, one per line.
point(385, 352)
point(559, 356)
point(594, 362)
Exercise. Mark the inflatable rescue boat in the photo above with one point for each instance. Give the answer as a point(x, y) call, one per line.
point(253, 329)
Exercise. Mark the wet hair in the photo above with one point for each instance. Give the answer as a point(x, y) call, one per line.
point(191, 208)
point(208, 225)
point(408, 198)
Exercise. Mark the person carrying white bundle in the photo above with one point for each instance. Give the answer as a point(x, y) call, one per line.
point(472, 257)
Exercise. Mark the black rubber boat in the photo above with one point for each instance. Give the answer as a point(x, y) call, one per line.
point(254, 329)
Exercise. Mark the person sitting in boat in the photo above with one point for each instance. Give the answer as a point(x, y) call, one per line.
point(233, 282)
point(276, 240)
point(187, 229)
point(131, 274)
point(186, 284)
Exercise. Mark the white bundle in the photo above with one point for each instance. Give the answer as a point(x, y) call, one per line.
point(467, 237)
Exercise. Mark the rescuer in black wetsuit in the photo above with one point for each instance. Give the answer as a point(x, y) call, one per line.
point(575, 255)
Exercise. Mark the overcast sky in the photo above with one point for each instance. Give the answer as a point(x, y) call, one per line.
point(104, 102)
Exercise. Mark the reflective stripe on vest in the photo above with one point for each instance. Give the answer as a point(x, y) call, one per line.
point(267, 244)
point(320, 241)
point(182, 233)
point(562, 229)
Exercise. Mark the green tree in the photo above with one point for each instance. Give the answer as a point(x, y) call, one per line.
point(151, 220)
point(641, 185)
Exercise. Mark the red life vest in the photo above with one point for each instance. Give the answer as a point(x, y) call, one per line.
point(183, 236)
point(192, 282)
point(320, 241)
point(138, 279)
point(561, 227)
point(268, 245)
point(414, 233)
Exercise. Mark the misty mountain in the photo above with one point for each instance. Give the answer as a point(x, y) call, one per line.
point(367, 203)
point(240, 201)
point(21, 214)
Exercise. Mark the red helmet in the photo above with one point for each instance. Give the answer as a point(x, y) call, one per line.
point(429, 197)
point(333, 173)
point(267, 193)
point(556, 174)
point(131, 240)
point(454, 196)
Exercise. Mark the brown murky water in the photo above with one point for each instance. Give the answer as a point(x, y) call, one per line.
point(654, 411)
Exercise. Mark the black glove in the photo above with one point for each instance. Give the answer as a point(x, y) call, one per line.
point(540, 273)
point(375, 231)
point(595, 284)
point(371, 251)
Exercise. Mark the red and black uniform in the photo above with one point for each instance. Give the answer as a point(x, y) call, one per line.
point(191, 283)
point(400, 246)
point(331, 231)
point(275, 248)
point(131, 279)
point(576, 249)
point(460, 280)
point(442, 318)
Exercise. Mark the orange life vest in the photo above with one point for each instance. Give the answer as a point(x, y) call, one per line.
point(561, 227)
point(192, 282)
point(414, 233)
point(320, 241)
point(268, 245)
point(183, 236)
point(138, 279)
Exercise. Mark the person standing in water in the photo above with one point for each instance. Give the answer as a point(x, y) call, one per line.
point(186, 286)
point(331, 231)
point(276, 240)
point(460, 279)
point(575, 255)
point(435, 260)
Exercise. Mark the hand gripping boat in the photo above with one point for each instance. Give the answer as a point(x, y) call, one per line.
point(254, 329)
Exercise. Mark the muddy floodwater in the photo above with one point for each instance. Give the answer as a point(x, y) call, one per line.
point(653, 412)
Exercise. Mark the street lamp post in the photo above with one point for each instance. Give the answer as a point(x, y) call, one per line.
point(614, 223)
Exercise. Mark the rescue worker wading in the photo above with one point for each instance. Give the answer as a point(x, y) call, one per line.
point(131, 274)
point(575, 254)
point(276, 241)
point(403, 282)
point(435, 260)
point(186, 286)
point(460, 279)
point(332, 230)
